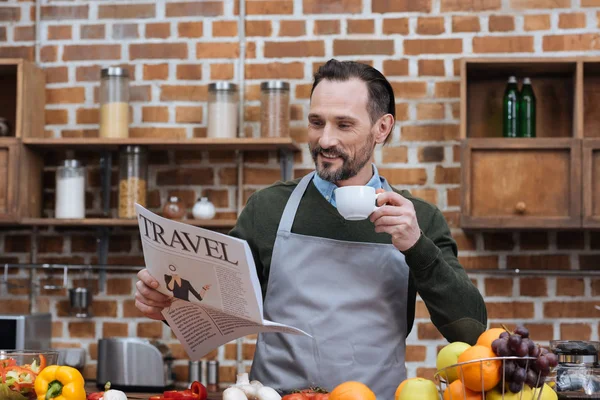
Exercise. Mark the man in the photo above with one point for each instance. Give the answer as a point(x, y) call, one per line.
point(351, 284)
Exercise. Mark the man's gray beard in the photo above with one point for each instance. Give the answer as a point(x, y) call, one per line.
point(350, 167)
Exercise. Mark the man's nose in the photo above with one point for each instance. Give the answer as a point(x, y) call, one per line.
point(328, 138)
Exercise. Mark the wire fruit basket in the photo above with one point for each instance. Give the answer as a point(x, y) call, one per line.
point(470, 373)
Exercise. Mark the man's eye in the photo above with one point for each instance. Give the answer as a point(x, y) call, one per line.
point(344, 126)
point(316, 123)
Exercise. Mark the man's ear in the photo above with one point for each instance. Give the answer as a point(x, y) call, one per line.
point(384, 127)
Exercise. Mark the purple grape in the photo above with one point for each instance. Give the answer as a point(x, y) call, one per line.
point(495, 344)
point(522, 331)
point(543, 351)
point(509, 369)
point(522, 350)
point(535, 352)
point(532, 378)
point(503, 350)
point(515, 387)
point(504, 335)
point(514, 341)
point(519, 375)
point(542, 365)
point(552, 360)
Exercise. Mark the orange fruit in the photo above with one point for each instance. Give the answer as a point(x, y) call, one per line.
point(487, 337)
point(352, 390)
point(456, 391)
point(479, 374)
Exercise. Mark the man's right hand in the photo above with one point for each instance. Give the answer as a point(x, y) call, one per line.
point(147, 299)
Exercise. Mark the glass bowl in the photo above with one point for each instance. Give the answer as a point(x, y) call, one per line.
point(19, 369)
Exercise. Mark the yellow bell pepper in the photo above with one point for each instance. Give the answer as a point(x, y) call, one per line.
point(59, 383)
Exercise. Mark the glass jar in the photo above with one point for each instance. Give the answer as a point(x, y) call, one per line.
point(133, 177)
point(70, 190)
point(114, 103)
point(274, 109)
point(223, 99)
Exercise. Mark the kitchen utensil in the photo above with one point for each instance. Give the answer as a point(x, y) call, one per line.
point(578, 371)
point(80, 299)
point(134, 364)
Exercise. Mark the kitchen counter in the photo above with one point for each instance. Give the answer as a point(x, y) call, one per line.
point(90, 387)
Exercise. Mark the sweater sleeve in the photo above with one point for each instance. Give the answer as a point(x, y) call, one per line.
point(456, 307)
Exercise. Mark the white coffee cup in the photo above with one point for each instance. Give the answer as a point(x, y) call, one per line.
point(356, 202)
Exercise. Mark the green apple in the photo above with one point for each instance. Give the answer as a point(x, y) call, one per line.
point(449, 356)
point(547, 393)
point(418, 389)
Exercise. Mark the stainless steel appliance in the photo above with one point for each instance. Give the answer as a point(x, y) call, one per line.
point(134, 364)
point(25, 331)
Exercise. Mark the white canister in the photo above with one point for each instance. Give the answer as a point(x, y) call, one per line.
point(70, 190)
point(223, 111)
point(203, 209)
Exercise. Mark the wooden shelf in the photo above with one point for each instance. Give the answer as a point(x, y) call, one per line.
point(248, 144)
point(213, 223)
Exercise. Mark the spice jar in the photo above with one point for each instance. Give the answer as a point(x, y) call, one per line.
point(70, 190)
point(223, 101)
point(114, 103)
point(174, 208)
point(133, 172)
point(274, 109)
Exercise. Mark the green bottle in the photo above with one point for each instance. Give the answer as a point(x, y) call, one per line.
point(510, 103)
point(527, 110)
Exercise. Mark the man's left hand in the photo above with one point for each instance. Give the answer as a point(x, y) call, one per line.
point(396, 216)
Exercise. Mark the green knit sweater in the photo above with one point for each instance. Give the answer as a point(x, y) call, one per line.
point(454, 303)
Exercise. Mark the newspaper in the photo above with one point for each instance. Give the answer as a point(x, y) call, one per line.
point(213, 282)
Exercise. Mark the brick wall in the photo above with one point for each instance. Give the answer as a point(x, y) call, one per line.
point(174, 49)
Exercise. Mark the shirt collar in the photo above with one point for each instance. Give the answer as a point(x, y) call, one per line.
point(327, 188)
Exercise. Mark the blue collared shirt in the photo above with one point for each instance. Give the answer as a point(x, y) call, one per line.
point(327, 188)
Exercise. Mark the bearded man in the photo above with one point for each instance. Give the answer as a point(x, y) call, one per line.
point(352, 285)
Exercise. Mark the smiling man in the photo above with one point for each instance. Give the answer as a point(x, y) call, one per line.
point(351, 284)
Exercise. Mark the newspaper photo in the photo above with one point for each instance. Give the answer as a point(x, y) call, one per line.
point(213, 282)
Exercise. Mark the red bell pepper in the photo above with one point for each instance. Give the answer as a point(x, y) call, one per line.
point(197, 391)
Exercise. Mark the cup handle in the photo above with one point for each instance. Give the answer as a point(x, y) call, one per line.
point(375, 207)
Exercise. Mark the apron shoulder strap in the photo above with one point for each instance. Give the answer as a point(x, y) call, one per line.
point(289, 213)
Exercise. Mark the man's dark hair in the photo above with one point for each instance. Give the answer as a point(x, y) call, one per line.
point(381, 95)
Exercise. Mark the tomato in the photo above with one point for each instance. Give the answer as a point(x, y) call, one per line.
point(295, 396)
point(321, 396)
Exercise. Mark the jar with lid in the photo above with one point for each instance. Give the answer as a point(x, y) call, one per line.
point(174, 208)
point(70, 190)
point(133, 175)
point(274, 109)
point(223, 99)
point(114, 103)
point(577, 375)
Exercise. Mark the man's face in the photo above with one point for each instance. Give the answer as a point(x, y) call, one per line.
point(340, 134)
